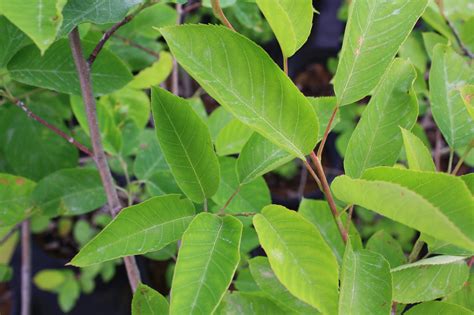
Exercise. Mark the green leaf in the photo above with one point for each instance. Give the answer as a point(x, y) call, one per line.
point(429, 279)
point(418, 156)
point(94, 11)
point(6, 273)
point(268, 282)
point(108, 72)
point(449, 72)
point(232, 138)
point(150, 160)
point(299, 256)
point(291, 21)
point(39, 19)
point(11, 41)
point(129, 104)
point(366, 283)
point(146, 22)
point(237, 303)
point(251, 197)
point(207, 260)
point(437, 307)
point(218, 119)
point(186, 144)
point(430, 40)
point(110, 133)
point(147, 301)
point(377, 139)
point(374, 33)
point(15, 194)
point(34, 151)
point(383, 243)
point(410, 197)
point(244, 281)
point(68, 294)
point(155, 74)
point(243, 79)
point(50, 279)
point(319, 214)
point(146, 227)
point(465, 296)
point(69, 192)
point(258, 157)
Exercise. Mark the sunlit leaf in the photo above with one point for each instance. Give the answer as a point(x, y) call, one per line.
point(15, 199)
point(147, 301)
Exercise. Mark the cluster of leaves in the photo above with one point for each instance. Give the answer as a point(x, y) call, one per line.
point(194, 183)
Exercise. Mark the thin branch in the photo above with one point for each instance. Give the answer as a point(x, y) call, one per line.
point(222, 210)
point(450, 162)
point(416, 250)
point(455, 32)
point(328, 194)
point(463, 158)
point(10, 233)
point(285, 65)
point(326, 132)
point(216, 8)
point(53, 128)
point(25, 268)
point(112, 30)
point(137, 45)
point(99, 154)
point(313, 174)
point(191, 7)
point(348, 221)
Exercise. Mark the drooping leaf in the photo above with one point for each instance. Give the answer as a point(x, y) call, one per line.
point(108, 72)
point(232, 138)
point(437, 307)
point(291, 21)
point(373, 35)
point(237, 303)
point(15, 199)
point(410, 197)
point(244, 80)
point(449, 72)
point(299, 256)
point(69, 192)
point(206, 263)
point(384, 244)
point(147, 301)
point(34, 151)
point(268, 282)
point(11, 41)
point(258, 157)
point(319, 213)
point(39, 19)
point(94, 11)
point(146, 227)
point(251, 197)
point(429, 279)
point(155, 74)
point(418, 156)
point(366, 283)
point(377, 139)
point(186, 145)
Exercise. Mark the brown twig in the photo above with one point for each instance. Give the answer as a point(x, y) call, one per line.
point(326, 132)
point(327, 192)
point(83, 71)
point(455, 32)
point(313, 174)
point(216, 8)
point(10, 233)
point(112, 30)
point(53, 128)
point(222, 210)
point(25, 268)
point(189, 8)
point(137, 45)
point(463, 158)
